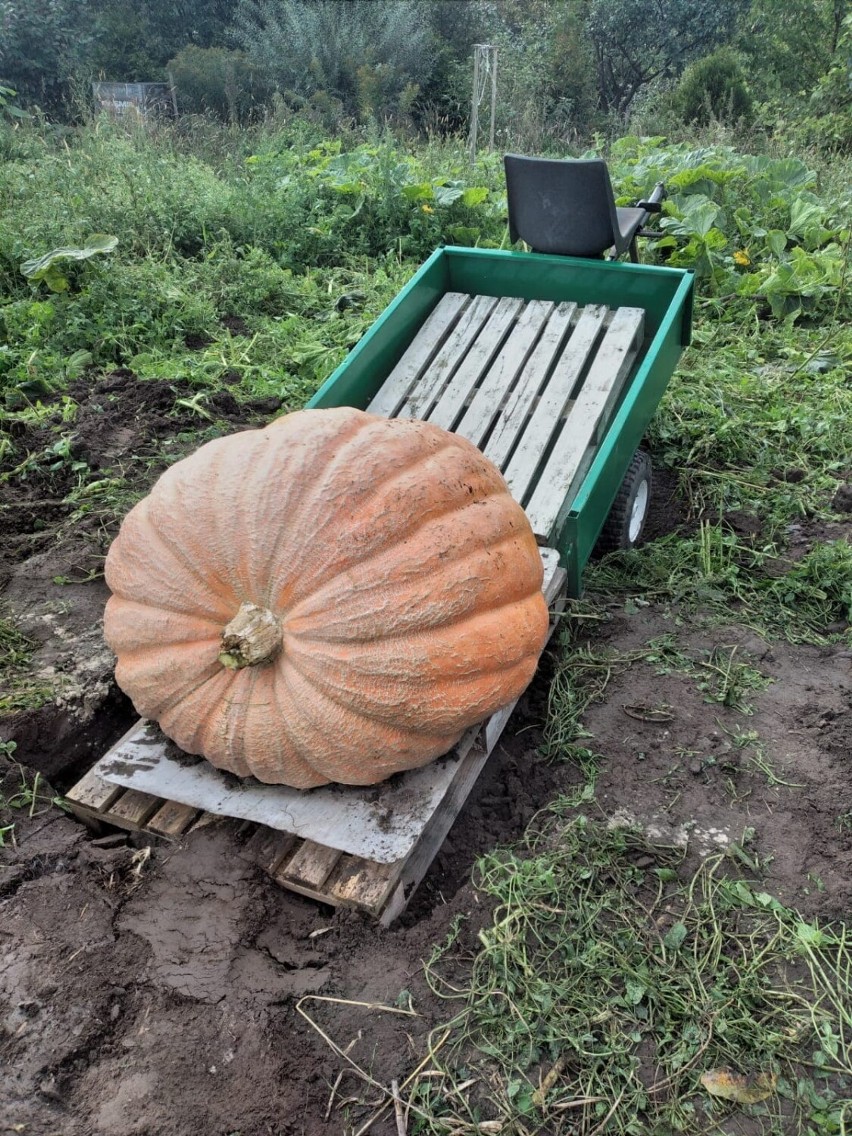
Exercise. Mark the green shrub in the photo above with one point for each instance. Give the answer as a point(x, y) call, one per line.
point(714, 88)
point(213, 80)
point(831, 102)
point(368, 55)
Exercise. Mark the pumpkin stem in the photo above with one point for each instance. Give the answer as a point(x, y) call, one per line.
point(252, 637)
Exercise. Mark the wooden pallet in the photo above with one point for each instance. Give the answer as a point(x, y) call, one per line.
point(307, 866)
point(304, 866)
point(532, 383)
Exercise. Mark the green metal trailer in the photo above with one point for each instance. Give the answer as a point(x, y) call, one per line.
point(557, 299)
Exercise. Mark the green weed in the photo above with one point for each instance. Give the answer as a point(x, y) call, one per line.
point(805, 600)
point(22, 690)
point(575, 1016)
point(29, 797)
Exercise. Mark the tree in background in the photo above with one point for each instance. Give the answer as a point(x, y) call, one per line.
point(636, 43)
point(566, 68)
point(443, 104)
point(372, 57)
point(546, 78)
point(43, 45)
point(49, 46)
point(831, 101)
point(134, 39)
point(713, 88)
point(790, 44)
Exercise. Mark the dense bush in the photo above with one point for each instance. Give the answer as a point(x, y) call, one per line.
point(714, 88)
point(372, 57)
point(216, 81)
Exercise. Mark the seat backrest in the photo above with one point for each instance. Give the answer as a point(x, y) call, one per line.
point(563, 206)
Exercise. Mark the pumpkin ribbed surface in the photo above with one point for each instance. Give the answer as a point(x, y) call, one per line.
point(336, 597)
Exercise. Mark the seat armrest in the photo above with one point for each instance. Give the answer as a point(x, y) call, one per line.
point(653, 204)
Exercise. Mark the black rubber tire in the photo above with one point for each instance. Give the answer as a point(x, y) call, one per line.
point(616, 534)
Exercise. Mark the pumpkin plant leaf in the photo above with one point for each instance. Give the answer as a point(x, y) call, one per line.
point(674, 937)
point(46, 267)
point(447, 194)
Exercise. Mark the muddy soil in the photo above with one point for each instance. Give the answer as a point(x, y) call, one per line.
point(173, 990)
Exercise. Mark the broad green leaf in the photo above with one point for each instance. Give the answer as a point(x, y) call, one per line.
point(675, 936)
point(39, 268)
point(776, 242)
point(54, 278)
point(697, 216)
point(419, 192)
point(474, 195)
point(447, 194)
point(809, 934)
point(464, 234)
point(807, 217)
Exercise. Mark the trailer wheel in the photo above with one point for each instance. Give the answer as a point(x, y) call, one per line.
point(626, 519)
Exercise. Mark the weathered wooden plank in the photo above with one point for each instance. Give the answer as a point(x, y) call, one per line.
point(574, 448)
point(172, 819)
point(132, 809)
point(204, 821)
point(268, 848)
point(362, 883)
point(421, 399)
point(419, 354)
point(90, 796)
point(545, 420)
point(311, 866)
point(475, 363)
point(514, 413)
point(504, 371)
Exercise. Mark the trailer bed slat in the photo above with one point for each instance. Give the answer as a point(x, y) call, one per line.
point(574, 448)
point(513, 415)
point(504, 372)
point(454, 351)
point(521, 470)
point(420, 353)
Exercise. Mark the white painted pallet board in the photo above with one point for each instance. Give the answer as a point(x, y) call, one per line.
point(420, 353)
point(554, 400)
point(451, 355)
point(382, 823)
point(504, 372)
point(513, 414)
point(475, 364)
point(574, 448)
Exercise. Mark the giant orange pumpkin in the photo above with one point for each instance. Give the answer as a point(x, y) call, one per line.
point(335, 597)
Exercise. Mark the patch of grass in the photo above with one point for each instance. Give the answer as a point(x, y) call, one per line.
point(606, 986)
point(801, 600)
point(759, 419)
point(29, 797)
point(721, 675)
point(21, 690)
point(756, 758)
